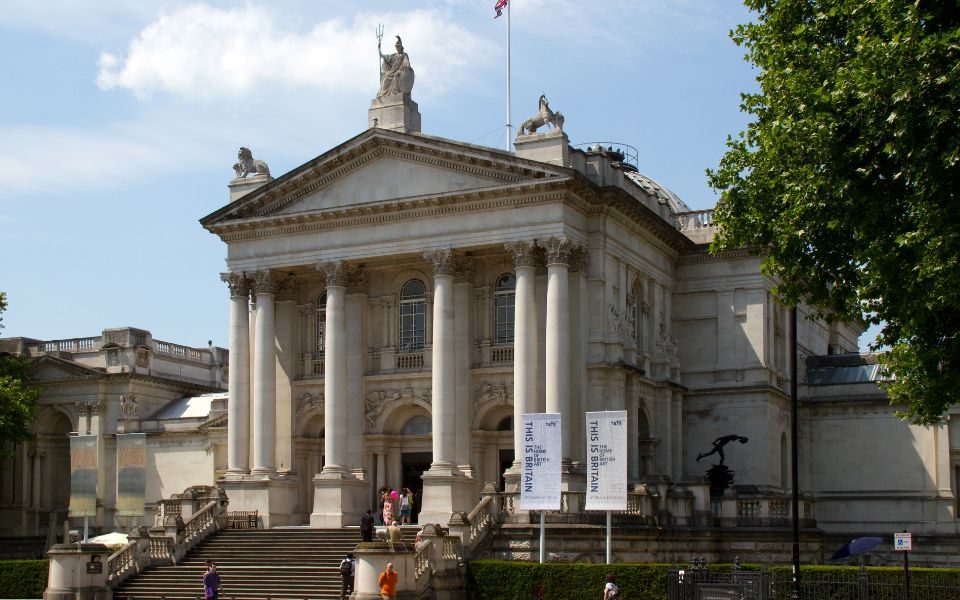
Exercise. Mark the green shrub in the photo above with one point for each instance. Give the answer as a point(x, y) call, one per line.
point(508, 580)
point(23, 578)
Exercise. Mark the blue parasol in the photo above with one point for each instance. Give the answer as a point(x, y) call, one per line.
point(856, 546)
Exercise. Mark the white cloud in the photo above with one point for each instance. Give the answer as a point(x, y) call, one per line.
point(201, 52)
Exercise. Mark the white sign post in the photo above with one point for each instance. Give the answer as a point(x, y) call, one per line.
point(903, 542)
point(607, 464)
point(540, 466)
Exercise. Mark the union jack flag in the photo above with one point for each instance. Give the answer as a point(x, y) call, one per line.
point(499, 6)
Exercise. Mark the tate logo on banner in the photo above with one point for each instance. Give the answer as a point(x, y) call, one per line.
point(540, 462)
point(607, 460)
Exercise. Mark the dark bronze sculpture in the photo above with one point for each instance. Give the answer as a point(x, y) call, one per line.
point(720, 475)
point(719, 443)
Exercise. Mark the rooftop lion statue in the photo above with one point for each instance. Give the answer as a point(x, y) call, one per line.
point(247, 165)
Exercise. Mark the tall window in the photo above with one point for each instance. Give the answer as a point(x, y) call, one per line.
point(320, 325)
point(638, 313)
point(504, 300)
point(413, 316)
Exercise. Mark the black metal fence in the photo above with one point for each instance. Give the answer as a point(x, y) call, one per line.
point(698, 582)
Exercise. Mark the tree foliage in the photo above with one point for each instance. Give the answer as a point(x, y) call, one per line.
point(847, 176)
point(17, 400)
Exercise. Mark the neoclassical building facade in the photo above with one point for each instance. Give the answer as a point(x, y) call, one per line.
point(399, 301)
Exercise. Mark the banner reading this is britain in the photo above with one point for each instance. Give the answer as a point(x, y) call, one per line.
point(83, 476)
point(607, 460)
point(131, 473)
point(541, 459)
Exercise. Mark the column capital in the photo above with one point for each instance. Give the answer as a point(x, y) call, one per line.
point(443, 260)
point(335, 271)
point(237, 282)
point(525, 252)
point(265, 281)
point(558, 250)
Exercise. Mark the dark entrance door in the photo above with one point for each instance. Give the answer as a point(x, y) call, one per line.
point(413, 466)
point(506, 461)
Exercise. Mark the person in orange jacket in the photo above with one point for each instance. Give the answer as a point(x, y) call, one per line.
point(388, 583)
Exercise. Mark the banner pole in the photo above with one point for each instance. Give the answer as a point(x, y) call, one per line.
point(609, 537)
point(543, 536)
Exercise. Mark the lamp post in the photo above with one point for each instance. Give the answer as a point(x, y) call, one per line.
point(794, 462)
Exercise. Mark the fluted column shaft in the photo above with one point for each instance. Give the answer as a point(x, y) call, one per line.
point(443, 357)
point(335, 379)
point(444, 382)
point(558, 348)
point(264, 377)
point(524, 338)
point(238, 405)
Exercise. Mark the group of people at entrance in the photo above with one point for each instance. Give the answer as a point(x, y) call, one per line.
point(396, 505)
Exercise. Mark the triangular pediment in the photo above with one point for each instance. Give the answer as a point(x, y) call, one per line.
point(50, 368)
point(380, 167)
point(388, 178)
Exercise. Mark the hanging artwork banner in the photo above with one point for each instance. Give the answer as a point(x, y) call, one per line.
point(607, 460)
point(541, 460)
point(83, 476)
point(131, 473)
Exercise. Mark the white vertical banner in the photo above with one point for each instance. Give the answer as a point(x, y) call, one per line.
point(540, 462)
point(607, 460)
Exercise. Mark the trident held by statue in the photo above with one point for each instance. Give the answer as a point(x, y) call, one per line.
point(379, 39)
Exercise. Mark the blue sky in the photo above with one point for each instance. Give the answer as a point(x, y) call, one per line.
point(120, 120)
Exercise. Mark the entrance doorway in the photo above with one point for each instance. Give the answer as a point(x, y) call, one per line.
point(506, 461)
point(414, 464)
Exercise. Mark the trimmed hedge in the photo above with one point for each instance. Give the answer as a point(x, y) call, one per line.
point(508, 580)
point(23, 578)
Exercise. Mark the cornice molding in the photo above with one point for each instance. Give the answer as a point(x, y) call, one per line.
point(387, 211)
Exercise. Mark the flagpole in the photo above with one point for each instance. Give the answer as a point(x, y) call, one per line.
point(509, 136)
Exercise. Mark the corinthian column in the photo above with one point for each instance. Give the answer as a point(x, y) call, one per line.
point(264, 375)
point(444, 363)
point(524, 338)
point(238, 405)
point(335, 368)
point(558, 337)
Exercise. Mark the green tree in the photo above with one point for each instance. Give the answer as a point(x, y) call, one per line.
point(17, 400)
point(847, 175)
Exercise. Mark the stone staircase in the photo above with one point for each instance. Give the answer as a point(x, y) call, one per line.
point(291, 563)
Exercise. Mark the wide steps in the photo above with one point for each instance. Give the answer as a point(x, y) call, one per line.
point(289, 563)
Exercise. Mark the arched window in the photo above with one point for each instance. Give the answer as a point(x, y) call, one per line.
point(506, 424)
point(418, 425)
point(504, 300)
point(413, 316)
point(320, 324)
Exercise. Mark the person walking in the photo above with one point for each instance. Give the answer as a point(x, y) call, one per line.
point(406, 501)
point(388, 507)
point(394, 533)
point(388, 583)
point(366, 527)
point(211, 582)
point(347, 569)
